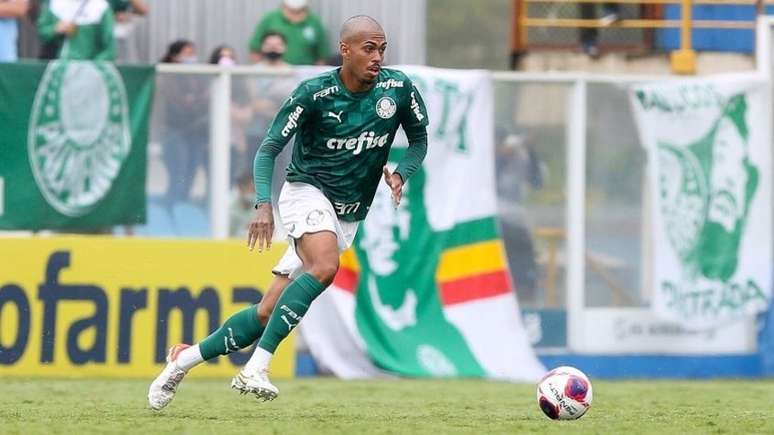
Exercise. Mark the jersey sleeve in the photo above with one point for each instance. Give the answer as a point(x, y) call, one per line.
point(414, 120)
point(413, 112)
point(291, 116)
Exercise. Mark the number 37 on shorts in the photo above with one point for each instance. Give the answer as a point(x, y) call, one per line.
point(344, 209)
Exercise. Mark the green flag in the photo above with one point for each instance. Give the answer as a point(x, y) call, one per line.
point(73, 144)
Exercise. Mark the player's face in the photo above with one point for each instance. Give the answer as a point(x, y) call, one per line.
point(364, 55)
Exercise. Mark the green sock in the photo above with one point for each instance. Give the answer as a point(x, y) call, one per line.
point(238, 331)
point(290, 308)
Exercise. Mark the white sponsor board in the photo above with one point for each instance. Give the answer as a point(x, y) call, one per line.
point(639, 330)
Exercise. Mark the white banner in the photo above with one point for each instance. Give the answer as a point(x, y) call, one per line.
point(709, 169)
point(640, 331)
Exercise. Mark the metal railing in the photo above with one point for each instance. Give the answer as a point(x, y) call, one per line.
point(683, 60)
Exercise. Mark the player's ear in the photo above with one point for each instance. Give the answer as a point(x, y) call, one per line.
point(344, 50)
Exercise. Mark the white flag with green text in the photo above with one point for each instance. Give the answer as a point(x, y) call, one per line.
point(709, 168)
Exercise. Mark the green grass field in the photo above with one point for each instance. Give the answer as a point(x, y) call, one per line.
point(314, 406)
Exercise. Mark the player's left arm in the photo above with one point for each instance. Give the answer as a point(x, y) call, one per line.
point(414, 120)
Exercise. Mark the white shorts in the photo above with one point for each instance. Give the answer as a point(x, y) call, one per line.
point(304, 209)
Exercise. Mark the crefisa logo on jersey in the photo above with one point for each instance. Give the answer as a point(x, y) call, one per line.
point(292, 121)
point(415, 107)
point(391, 83)
point(386, 107)
point(79, 136)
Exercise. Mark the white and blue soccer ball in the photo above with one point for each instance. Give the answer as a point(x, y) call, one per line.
point(564, 393)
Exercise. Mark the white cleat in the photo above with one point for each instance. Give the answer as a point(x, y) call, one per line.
point(257, 383)
point(163, 388)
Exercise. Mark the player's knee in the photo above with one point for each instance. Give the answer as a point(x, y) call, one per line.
point(325, 271)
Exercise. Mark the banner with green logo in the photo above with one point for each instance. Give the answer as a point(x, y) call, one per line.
point(425, 290)
point(73, 144)
point(709, 166)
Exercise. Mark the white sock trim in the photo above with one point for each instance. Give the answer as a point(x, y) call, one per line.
point(189, 358)
point(258, 361)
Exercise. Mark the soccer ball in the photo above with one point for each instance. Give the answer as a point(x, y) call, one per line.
point(564, 393)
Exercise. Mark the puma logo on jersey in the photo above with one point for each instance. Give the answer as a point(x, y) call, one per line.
point(367, 140)
point(337, 116)
point(292, 121)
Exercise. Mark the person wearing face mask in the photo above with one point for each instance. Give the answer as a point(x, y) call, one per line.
point(223, 55)
point(184, 101)
point(303, 31)
point(273, 49)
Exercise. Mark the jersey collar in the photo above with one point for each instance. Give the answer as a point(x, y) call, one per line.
point(357, 95)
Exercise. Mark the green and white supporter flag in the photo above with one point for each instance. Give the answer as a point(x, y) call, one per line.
point(93, 36)
point(709, 169)
point(73, 146)
point(425, 289)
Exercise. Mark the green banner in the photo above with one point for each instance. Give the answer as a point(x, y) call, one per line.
point(73, 145)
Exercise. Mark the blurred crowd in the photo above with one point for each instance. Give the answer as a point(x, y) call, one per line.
point(100, 30)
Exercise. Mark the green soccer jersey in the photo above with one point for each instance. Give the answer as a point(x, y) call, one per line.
point(343, 138)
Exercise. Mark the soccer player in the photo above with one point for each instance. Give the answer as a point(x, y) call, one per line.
point(345, 121)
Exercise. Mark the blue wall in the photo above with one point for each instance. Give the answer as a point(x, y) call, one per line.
point(711, 39)
point(660, 366)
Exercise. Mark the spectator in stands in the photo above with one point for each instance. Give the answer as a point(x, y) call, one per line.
point(126, 14)
point(223, 55)
point(77, 29)
point(10, 10)
point(185, 107)
point(590, 35)
point(303, 32)
point(272, 51)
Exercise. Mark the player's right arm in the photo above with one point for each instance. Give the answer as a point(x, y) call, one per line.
point(291, 116)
